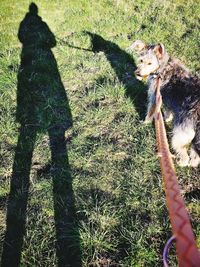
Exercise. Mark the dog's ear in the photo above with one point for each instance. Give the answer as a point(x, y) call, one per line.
point(159, 50)
point(138, 46)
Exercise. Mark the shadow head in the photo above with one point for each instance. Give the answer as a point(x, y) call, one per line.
point(33, 9)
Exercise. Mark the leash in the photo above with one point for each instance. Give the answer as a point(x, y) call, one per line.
point(186, 248)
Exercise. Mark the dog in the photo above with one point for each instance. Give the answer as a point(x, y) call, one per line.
point(180, 91)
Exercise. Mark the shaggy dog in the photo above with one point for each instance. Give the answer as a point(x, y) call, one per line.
point(180, 92)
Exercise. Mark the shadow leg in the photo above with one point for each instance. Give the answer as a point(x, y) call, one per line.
point(68, 243)
point(17, 202)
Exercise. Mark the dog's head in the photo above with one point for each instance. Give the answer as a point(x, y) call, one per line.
point(150, 58)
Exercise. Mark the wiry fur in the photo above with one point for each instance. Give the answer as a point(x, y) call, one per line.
point(180, 92)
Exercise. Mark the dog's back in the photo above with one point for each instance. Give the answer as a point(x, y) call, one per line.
point(181, 91)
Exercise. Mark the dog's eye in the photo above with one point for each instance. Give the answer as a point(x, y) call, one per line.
point(149, 63)
point(141, 61)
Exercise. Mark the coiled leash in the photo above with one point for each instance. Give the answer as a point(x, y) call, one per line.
point(186, 248)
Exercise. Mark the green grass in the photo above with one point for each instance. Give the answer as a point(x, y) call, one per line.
point(119, 197)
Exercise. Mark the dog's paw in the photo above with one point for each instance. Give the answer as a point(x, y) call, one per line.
point(194, 162)
point(183, 162)
point(168, 116)
point(148, 120)
point(194, 158)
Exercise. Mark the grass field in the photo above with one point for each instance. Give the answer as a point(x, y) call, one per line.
point(120, 211)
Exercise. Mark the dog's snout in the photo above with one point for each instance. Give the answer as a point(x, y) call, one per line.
point(137, 72)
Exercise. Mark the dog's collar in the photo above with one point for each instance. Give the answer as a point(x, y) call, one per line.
point(156, 75)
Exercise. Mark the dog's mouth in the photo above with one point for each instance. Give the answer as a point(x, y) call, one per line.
point(139, 76)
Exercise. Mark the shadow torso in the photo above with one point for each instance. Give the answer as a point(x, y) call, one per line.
point(41, 97)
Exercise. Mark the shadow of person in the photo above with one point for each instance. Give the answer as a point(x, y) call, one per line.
point(123, 64)
point(42, 106)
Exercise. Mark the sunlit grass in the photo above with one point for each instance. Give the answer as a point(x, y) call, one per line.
point(120, 201)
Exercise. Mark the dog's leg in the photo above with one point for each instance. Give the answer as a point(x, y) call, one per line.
point(168, 115)
point(194, 158)
point(150, 113)
point(195, 150)
point(183, 135)
point(151, 102)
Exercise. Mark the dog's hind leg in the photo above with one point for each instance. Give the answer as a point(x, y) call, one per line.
point(195, 150)
point(194, 157)
point(183, 135)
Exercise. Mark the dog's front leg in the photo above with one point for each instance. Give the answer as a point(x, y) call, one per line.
point(151, 101)
point(150, 112)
